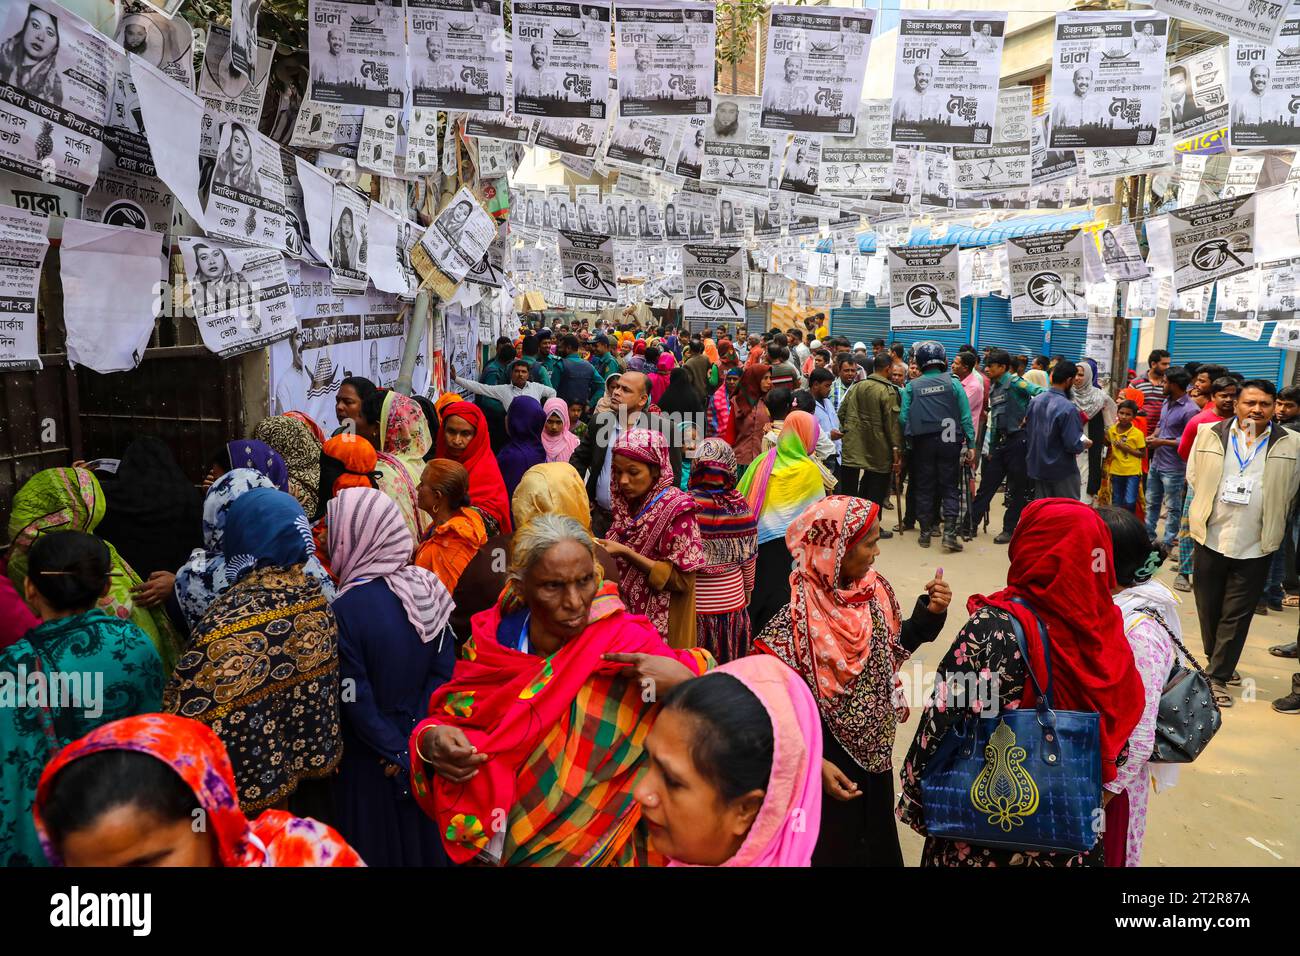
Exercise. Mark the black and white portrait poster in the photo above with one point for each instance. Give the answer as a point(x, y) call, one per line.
point(935, 178)
point(736, 150)
point(1237, 297)
point(490, 270)
point(1197, 92)
point(1049, 165)
point(561, 59)
point(455, 49)
point(22, 250)
point(246, 197)
point(640, 142)
point(1115, 161)
point(243, 35)
point(358, 52)
point(506, 125)
point(816, 62)
point(166, 42)
point(946, 73)
point(859, 164)
point(697, 212)
point(389, 260)
point(421, 142)
point(800, 168)
point(1242, 176)
point(1212, 241)
point(714, 278)
point(1006, 163)
point(901, 186)
point(690, 147)
point(1047, 276)
point(665, 57)
point(1108, 74)
point(54, 83)
point(733, 216)
point(126, 144)
point(240, 295)
point(459, 236)
point(1121, 256)
point(923, 291)
point(1278, 285)
point(1264, 89)
point(349, 240)
point(1253, 20)
point(587, 265)
point(227, 93)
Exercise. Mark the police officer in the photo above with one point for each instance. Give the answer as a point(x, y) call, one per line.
point(1008, 448)
point(935, 414)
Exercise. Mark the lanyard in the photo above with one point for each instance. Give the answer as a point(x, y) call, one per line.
point(650, 504)
point(1263, 441)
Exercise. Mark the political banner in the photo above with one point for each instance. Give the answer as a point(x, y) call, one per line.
point(690, 147)
point(561, 59)
point(1254, 20)
point(455, 50)
point(802, 159)
point(349, 239)
point(227, 93)
point(1047, 276)
point(859, 164)
point(1121, 256)
point(1212, 241)
point(458, 237)
point(246, 196)
point(815, 66)
point(946, 77)
point(1007, 162)
point(1264, 89)
point(358, 52)
point(1048, 165)
point(507, 125)
point(1198, 97)
point(666, 57)
point(714, 278)
point(923, 290)
point(1108, 74)
point(22, 251)
point(736, 149)
point(152, 35)
point(587, 265)
point(240, 295)
point(1278, 286)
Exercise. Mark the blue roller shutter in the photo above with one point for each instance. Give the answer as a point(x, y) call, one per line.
point(950, 339)
point(1067, 338)
point(993, 327)
point(1206, 342)
point(861, 325)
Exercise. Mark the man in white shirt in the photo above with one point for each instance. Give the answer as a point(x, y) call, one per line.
point(507, 393)
point(531, 79)
point(1245, 472)
point(333, 68)
point(1251, 109)
point(1080, 108)
point(295, 381)
point(789, 95)
point(437, 74)
point(919, 104)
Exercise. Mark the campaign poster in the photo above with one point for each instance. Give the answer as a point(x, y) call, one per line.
point(697, 213)
point(1264, 89)
point(490, 270)
point(1048, 165)
point(923, 291)
point(349, 239)
point(1047, 276)
point(1121, 256)
point(1198, 98)
point(459, 236)
point(859, 164)
point(507, 125)
point(714, 278)
point(946, 77)
point(240, 295)
point(1007, 162)
point(587, 265)
point(800, 168)
point(736, 150)
point(1212, 241)
point(22, 251)
point(815, 66)
point(1116, 161)
point(389, 256)
point(1254, 20)
point(690, 149)
point(666, 59)
point(455, 49)
point(1278, 286)
point(640, 142)
point(1108, 74)
point(229, 94)
point(243, 34)
point(165, 42)
point(246, 197)
point(119, 198)
point(561, 59)
point(377, 150)
point(358, 52)
point(54, 84)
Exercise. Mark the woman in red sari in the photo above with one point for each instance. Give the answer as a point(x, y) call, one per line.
point(555, 666)
point(128, 793)
point(463, 437)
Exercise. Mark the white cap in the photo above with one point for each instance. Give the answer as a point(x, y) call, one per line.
point(815, 344)
point(860, 345)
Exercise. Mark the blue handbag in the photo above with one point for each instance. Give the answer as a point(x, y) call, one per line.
point(1027, 779)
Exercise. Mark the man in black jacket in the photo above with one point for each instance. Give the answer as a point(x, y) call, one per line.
point(592, 458)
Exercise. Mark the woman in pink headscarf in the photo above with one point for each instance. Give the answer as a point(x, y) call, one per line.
point(661, 376)
point(752, 797)
point(560, 443)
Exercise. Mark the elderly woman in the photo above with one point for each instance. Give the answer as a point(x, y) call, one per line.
point(844, 633)
point(262, 669)
point(395, 650)
point(457, 531)
point(1092, 663)
point(655, 536)
point(559, 662)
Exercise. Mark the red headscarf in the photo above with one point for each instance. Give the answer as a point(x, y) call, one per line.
point(487, 489)
point(1062, 565)
point(310, 422)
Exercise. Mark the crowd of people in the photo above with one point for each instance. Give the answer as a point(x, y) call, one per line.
point(618, 602)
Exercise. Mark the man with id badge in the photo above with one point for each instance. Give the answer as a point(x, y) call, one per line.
point(1245, 472)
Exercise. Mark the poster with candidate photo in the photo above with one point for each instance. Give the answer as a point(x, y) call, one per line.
point(167, 43)
point(1108, 74)
point(690, 148)
point(126, 143)
point(697, 211)
point(1121, 256)
point(714, 279)
point(243, 35)
point(587, 265)
point(1197, 94)
point(54, 81)
point(800, 168)
point(561, 59)
point(815, 66)
point(22, 251)
point(1212, 241)
point(1047, 276)
point(1264, 88)
point(240, 295)
point(357, 52)
point(946, 72)
point(1279, 282)
point(227, 93)
point(640, 143)
point(1048, 165)
point(1253, 20)
point(459, 236)
point(349, 240)
point(859, 164)
point(455, 51)
point(737, 151)
point(507, 125)
point(665, 54)
point(1007, 162)
point(733, 216)
point(923, 291)
point(246, 196)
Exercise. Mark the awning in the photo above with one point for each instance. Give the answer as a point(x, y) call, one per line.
point(968, 236)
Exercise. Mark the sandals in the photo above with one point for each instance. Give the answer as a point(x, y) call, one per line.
point(1220, 694)
point(1291, 650)
point(1291, 600)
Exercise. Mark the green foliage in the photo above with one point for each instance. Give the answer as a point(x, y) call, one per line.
point(736, 22)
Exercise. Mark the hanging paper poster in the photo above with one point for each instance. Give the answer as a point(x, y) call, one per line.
point(459, 236)
point(1198, 99)
point(246, 199)
point(377, 150)
point(505, 126)
point(714, 278)
point(859, 164)
point(455, 49)
point(799, 171)
point(127, 199)
point(1108, 74)
point(1007, 162)
point(1047, 276)
point(1277, 290)
point(946, 74)
point(490, 270)
point(736, 150)
point(358, 52)
point(1212, 241)
point(561, 56)
point(1264, 89)
point(54, 81)
point(389, 255)
point(815, 66)
point(1254, 20)
point(349, 239)
point(587, 265)
point(243, 34)
point(1121, 256)
point(240, 295)
point(227, 93)
point(690, 150)
point(1117, 161)
point(22, 250)
point(164, 42)
point(665, 57)
point(923, 290)
point(1049, 165)
point(640, 142)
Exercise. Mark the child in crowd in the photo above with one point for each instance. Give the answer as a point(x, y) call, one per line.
point(1127, 444)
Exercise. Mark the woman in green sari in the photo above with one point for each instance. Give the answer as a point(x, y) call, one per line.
point(70, 499)
point(78, 669)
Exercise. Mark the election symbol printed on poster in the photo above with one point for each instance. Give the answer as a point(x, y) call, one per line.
point(358, 52)
point(815, 67)
point(1047, 276)
point(665, 52)
point(587, 264)
point(456, 56)
point(923, 287)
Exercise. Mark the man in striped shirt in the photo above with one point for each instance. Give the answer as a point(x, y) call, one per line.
point(1153, 388)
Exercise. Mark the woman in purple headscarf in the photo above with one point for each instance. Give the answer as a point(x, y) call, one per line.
point(523, 449)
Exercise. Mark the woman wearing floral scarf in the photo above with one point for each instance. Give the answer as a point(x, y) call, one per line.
point(844, 634)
